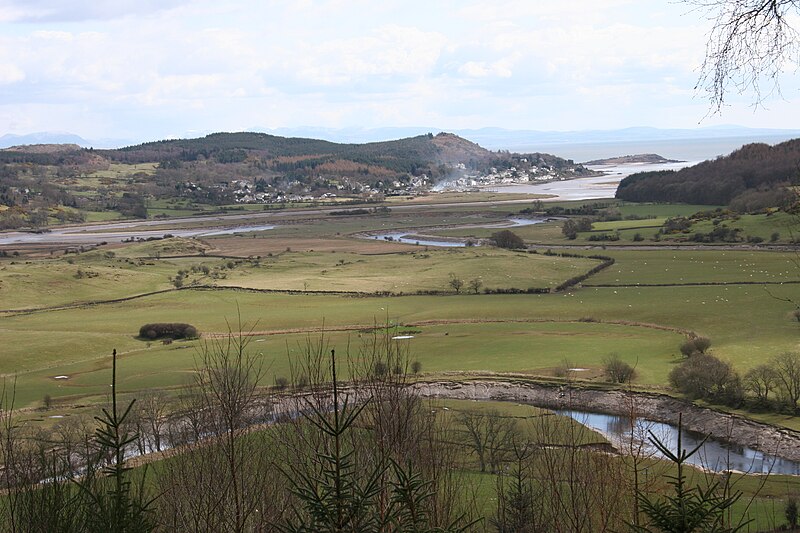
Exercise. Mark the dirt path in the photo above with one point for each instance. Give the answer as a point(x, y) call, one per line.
point(444, 322)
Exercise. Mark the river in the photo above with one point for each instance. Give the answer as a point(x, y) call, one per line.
point(596, 187)
point(408, 237)
point(715, 454)
point(94, 234)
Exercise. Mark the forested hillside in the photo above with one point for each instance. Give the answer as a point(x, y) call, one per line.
point(41, 184)
point(748, 177)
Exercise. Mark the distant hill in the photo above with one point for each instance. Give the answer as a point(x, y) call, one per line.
point(551, 141)
point(423, 154)
point(10, 140)
point(754, 168)
point(631, 159)
point(221, 169)
point(43, 148)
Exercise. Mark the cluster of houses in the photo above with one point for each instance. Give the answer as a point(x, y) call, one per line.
point(468, 182)
point(249, 192)
point(259, 192)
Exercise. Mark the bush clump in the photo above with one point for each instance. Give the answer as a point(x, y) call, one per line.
point(695, 345)
point(617, 370)
point(703, 376)
point(507, 239)
point(160, 330)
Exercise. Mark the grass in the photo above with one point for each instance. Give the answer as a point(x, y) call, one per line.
point(84, 337)
point(42, 283)
point(635, 267)
point(529, 334)
point(407, 272)
point(531, 348)
point(761, 225)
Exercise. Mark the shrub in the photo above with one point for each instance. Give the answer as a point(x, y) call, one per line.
point(695, 345)
point(702, 344)
point(507, 239)
point(791, 513)
point(617, 370)
point(160, 330)
point(563, 369)
point(703, 376)
point(380, 369)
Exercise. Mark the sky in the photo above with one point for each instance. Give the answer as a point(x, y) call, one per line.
point(151, 69)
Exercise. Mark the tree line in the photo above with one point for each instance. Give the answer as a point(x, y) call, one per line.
point(753, 168)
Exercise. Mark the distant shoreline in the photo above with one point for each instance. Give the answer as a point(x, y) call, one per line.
point(633, 159)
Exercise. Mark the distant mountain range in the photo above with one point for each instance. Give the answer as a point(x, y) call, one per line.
point(491, 138)
point(59, 137)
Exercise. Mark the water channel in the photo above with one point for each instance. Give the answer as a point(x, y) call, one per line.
point(118, 232)
point(716, 454)
point(424, 240)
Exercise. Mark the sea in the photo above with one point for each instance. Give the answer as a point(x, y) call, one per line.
point(686, 152)
point(681, 149)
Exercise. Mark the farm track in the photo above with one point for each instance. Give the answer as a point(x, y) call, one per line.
point(368, 328)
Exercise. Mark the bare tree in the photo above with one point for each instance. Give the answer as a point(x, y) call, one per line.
point(787, 369)
point(475, 285)
point(153, 410)
point(751, 43)
point(760, 381)
point(488, 435)
point(456, 283)
point(223, 479)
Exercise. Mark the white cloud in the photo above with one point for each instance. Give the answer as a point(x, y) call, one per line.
point(10, 73)
point(158, 67)
point(79, 10)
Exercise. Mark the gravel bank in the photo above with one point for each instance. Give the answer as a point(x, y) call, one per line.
point(658, 407)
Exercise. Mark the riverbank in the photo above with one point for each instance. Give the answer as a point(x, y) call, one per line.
point(766, 438)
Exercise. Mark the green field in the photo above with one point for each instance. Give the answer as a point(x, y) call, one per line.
point(635, 267)
point(294, 289)
point(35, 284)
point(528, 348)
point(527, 334)
point(407, 271)
point(46, 344)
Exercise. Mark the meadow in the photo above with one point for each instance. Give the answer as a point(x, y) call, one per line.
point(716, 293)
point(313, 283)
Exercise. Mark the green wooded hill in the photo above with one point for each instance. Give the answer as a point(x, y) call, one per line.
point(753, 174)
point(300, 156)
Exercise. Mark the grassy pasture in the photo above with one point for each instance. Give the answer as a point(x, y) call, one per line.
point(530, 348)
point(408, 271)
point(746, 324)
point(43, 283)
point(761, 225)
point(697, 266)
point(135, 269)
point(467, 332)
point(617, 225)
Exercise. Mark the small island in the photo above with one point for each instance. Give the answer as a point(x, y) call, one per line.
point(630, 159)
